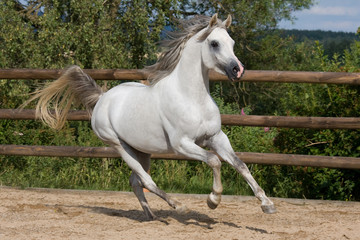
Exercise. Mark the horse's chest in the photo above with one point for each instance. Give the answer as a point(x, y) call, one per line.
point(209, 125)
point(195, 118)
point(202, 123)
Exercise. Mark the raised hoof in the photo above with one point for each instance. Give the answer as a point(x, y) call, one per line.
point(269, 209)
point(211, 203)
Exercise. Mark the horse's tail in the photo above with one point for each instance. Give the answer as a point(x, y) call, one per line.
point(55, 99)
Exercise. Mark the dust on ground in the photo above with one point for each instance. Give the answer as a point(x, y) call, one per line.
point(75, 214)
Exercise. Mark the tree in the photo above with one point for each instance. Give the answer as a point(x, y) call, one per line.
point(92, 34)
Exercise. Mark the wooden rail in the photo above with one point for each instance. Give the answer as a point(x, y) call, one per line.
point(226, 119)
point(249, 76)
point(242, 120)
point(259, 158)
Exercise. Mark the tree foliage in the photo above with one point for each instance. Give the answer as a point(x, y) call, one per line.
point(92, 34)
point(332, 42)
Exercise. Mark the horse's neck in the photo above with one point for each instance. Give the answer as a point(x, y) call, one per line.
point(191, 75)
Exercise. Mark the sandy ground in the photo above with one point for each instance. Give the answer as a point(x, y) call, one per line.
point(71, 214)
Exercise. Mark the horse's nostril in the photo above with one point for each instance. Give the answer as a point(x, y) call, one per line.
point(236, 69)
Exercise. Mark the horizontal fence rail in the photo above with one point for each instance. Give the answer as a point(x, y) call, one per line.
point(226, 119)
point(231, 120)
point(247, 157)
point(249, 76)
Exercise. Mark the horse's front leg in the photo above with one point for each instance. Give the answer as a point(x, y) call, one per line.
point(190, 149)
point(220, 144)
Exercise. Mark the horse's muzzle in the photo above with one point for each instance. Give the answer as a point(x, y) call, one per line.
point(234, 70)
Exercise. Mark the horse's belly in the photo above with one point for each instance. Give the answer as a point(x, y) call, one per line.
point(143, 134)
point(129, 115)
point(134, 134)
point(151, 145)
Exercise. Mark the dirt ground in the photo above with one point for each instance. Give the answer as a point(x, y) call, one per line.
point(72, 214)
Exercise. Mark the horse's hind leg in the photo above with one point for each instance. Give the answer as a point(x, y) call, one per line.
point(137, 186)
point(130, 156)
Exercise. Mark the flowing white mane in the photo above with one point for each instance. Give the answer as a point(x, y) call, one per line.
point(176, 43)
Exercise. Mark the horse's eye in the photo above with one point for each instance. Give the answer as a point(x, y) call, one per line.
point(214, 44)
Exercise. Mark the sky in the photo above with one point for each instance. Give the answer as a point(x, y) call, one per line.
point(333, 15)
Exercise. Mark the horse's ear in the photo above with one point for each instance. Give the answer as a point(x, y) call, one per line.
point(228, 21)
point(213, 20)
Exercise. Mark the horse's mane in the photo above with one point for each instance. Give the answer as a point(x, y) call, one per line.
point(175, 44)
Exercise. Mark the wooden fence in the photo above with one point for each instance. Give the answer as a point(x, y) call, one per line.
point(233, 120)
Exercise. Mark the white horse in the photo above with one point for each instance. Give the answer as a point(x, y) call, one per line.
point(175, 114)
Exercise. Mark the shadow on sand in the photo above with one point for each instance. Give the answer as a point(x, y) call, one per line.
point(189, 218)
point(164, 216)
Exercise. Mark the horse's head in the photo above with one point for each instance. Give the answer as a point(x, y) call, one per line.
point(218, 49)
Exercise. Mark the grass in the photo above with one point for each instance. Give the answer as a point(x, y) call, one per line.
point(112, 174)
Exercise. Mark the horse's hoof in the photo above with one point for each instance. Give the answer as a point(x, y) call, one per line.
point(211, 202)
point(151, 217)
point(269, 209)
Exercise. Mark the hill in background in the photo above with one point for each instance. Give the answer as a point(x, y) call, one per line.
point(333, 42)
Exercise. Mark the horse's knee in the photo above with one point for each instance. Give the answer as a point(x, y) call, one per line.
point(213, 161)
